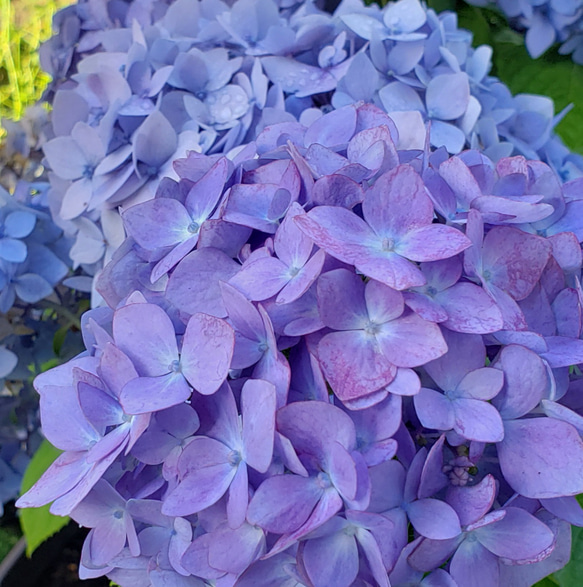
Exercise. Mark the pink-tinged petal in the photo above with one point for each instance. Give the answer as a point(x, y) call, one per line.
point(342, 470)
point(64, 505)
point(258, 399)
point(353, 365)
point(209, 473)
point(62, 476)
point(291, 245)
point(327, 508)
point(426, 307)
point(262, 278)
point(512, 315)
point(525, 381)
point(238, 497)
point(518, 536)
point(470, 309)
point(338, 231)
point(474, 566)
point(314, 426)
point(331, 560)
point(410, 341)
point(283, 503)
point(206, 192)
point(397, 203)
point(477, 420)
point(484, 384)
point(472, 502)
point(341, 300)
point(161, 222)
point(202, 294)
point(207, 350)
point(542, 458)
point(567, 251)
point(406, 382)
point(434, 410)
point(173, 258)
point(151, 394)
point(337, 190)
point(514, 260)
point(389, 268)
point(304, 279)
point(529, 574)
point(434, 519)
point(446, 241)
point(146, 335)
point(382, 303)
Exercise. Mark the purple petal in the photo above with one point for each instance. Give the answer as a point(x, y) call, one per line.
point(534, 459)
point(207, 350)
point(434, 519)
point(258, 401)
point(146, 335)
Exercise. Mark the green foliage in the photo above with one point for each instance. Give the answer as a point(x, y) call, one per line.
point(570, 576)
point(8, 538)
point(38, 524)
point(551, 75)
point(24, 24)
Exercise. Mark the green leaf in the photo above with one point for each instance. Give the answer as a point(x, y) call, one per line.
point(59, 339)
point(570, 576)
point(547, 582)
point(552, 75)
point(38, 524)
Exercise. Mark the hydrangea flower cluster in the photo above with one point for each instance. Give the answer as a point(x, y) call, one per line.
point(546, 23)
point(208, 76)
point(330, 361)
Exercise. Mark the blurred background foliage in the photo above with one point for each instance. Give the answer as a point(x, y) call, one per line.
point(24, 24)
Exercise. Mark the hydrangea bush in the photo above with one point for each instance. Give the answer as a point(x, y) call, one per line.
point(330, 360)
point(36, 311)
point(138, 84)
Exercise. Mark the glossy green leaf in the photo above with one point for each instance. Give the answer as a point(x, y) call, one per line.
point(571, 575)
point(38, 524)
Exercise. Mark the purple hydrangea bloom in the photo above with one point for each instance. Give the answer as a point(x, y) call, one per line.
point(316, 341)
